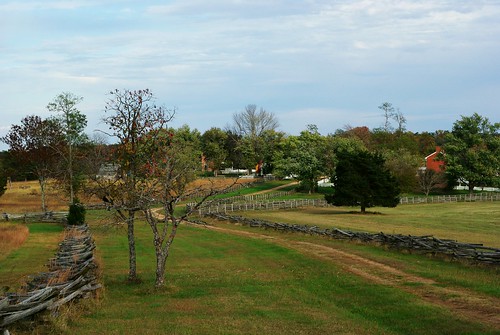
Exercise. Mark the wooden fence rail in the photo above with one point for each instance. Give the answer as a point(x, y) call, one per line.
point(71, 274)
point(263, 205)
point(40, 216)
point(476, 253)
point(487, 196)
point(238, 205)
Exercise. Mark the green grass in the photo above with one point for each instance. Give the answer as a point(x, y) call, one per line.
point(477, 222)
point(219, 283)
point(258, 187)
point(31, 258)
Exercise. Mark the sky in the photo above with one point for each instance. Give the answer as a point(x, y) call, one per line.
point(328, 63)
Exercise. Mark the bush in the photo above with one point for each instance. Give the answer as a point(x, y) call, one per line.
point(76, 214)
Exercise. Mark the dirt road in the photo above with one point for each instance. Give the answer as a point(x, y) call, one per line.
point(462, 302)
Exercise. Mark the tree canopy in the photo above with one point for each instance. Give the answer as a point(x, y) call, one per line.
point(472, 152)
point(361, 179)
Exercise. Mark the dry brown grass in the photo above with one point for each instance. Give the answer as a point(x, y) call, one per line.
point(12, 237)
point(25, 197)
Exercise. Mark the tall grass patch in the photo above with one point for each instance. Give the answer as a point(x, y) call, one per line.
point(12, 236)
point(31, 257)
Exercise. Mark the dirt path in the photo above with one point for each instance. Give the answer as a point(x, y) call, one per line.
point(277, 188)
point(464, 303)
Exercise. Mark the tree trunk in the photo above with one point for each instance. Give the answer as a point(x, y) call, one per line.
point(162, 254)
point(363, 208)
point(132, 275)
point(41, 180)
point(70, 170)
point(161, 260)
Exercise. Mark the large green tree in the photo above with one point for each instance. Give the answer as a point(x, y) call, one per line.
point(213, 144)
point(361, 179)
point(303, 157)
point(472, 152)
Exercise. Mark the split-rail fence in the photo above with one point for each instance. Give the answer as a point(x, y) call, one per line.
point(71, 275)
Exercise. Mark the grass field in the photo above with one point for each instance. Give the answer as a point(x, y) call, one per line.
point(229, 279)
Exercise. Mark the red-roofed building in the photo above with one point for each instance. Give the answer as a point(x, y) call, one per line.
point(432, 163)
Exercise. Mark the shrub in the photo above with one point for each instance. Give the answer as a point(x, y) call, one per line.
point(76, 215)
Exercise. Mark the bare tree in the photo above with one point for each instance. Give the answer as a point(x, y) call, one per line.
point(430, 180)
point(388, 110)
point(400, 120)
point(136, 122)
point(250, 125)
point(156, 166)
point(172, 167)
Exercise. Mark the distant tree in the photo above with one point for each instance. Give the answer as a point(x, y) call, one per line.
point(400, 120)
point(213, 146)
point(72, 123)
point(303, 158)
point(429, 180)
point(250, 125)
point(389, 112)
point(33, 144)
point(472, 152)
point(3, 179)
point(362, 180)
point(403, 165)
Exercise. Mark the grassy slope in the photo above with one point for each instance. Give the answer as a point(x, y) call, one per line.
point(466, 222)
point(31, 257)
point(221, 283)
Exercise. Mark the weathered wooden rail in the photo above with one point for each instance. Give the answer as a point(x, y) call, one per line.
point(476, 253)
point(486, 196)
point(261, 205)
point(71, 274)
point(59, 217)
point(236, 204)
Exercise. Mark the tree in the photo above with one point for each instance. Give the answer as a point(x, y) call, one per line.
point(403, 165)
point(303, 158)
point(33, 143)
point(171, 167)
point(157, 164)
point(250, 125)
point(429, 180)
point(3, 179)
point(72, 122)
point(362, 180)
point(136, 122)
point(213, 146)
point(472, 152)
point(388, 110)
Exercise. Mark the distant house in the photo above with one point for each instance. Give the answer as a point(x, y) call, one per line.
point(433, 163)
point(108, 171)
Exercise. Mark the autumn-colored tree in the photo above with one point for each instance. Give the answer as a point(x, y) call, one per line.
point(33, 144)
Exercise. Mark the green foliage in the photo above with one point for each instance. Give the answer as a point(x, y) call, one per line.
point(472, 152)
point(213, 146)
point(76, 215)
point(3, 179)
point(361, 179)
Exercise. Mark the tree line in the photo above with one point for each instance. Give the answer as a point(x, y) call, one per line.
point(155, 164)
